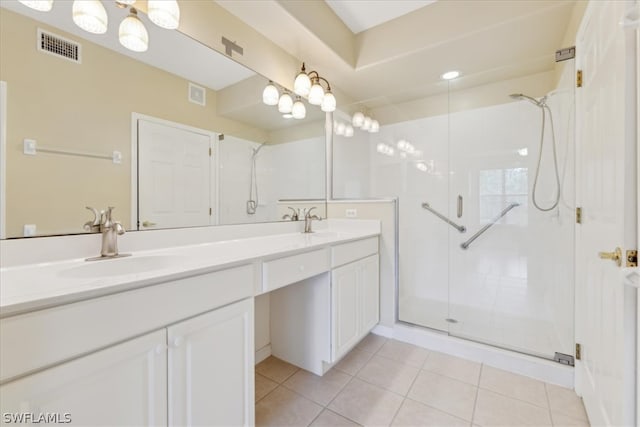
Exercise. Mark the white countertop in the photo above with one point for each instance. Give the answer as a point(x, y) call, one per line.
point(36, 286)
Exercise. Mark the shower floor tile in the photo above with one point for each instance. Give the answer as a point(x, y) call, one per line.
point(468, 393)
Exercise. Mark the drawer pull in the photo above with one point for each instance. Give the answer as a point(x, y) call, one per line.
point(176, 342)
point(159, 349)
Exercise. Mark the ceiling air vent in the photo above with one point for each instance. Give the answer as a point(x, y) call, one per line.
point(54, 44)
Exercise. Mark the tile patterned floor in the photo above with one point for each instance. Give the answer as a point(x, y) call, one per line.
point(390, 383)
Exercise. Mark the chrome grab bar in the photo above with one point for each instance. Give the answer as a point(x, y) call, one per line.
point(460, 228)
point(466, 244)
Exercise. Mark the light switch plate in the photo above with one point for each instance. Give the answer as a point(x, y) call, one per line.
point(351, 213)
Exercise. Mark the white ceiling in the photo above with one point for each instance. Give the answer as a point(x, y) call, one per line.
point(360, 15)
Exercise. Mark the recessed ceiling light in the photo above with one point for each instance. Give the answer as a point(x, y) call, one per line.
point(450, 75)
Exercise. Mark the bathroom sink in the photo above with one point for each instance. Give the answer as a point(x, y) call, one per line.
point(121, 266)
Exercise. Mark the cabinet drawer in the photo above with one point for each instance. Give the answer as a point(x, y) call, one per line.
point(353, 251)
point(284, 271)
point(64, 332)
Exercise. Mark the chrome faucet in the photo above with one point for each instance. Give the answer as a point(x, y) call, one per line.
point(110, 230)
point(294, 216)
point(308, 218)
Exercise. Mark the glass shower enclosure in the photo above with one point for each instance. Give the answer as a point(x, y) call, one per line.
point(477, 259)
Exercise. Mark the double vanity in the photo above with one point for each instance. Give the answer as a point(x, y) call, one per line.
point(166, 336)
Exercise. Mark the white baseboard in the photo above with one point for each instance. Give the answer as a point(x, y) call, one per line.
point(263, 353)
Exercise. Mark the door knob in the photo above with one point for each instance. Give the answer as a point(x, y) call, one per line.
point(615, 256)
point(148, 224)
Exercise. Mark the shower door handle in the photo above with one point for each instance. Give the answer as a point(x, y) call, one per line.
point(460, 202)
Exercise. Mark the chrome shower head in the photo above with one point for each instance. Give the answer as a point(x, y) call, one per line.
point(531, 99)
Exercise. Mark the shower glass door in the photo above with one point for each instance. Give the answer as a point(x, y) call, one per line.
point(511, 272)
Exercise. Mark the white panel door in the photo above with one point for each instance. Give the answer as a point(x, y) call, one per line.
point(211, 369)
point(174, 176)
point(604, 375)
point(345, 316)
point(123, 385)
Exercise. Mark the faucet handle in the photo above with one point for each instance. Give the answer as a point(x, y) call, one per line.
point(94, 224)
point(119, 228)
point(308, 212)
point(295, 215)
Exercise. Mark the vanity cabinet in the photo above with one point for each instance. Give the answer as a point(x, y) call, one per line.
point(122, 384)
point(355, 304)
point(196, 372)
point(175, 353)
point(211, 368)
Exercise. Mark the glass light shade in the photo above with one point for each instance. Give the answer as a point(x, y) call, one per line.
point(90, 15)
point(298, 110)
point(348, 131)
point(357, 120)
point(41, 5)
point(375, 126)
point(302, 84)
point(366, 123)
point(132, 33)
point(164, 13)
point(126, 2)
point(328, 103)
point(270, 94)
point(340, 129)
point(316, 93)
point(285, 103)
point(449, 75)
point(287, 115)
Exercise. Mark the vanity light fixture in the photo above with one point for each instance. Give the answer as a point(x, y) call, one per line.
point(132, 33)
point(310, 85)
point(164, 13)
point(365, 123)
point(340, 128)
point(298, 109)
point(270, 94)
point(285, 103)
point(40, 5)
point(348, 131)
point(90, 15)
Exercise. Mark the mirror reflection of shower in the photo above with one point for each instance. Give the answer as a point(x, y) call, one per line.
point(544, 108)
point(252, 203)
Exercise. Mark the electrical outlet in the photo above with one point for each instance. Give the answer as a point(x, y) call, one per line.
point(29, 147)
point(29, 230)
point(351, 213)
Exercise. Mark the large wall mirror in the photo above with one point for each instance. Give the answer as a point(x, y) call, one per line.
point(134, 131)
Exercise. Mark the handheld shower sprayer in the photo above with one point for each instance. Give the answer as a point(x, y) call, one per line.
point(544, 108)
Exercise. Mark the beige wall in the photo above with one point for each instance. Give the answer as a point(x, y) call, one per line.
point(85, 107)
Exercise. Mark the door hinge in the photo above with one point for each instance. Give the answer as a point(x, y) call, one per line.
point(578, 215)
point(632, 258)
point(578, 351)
point(221, 137)
point(579, 78)
point(565, 359)
point(209, 151)
point(210, 211)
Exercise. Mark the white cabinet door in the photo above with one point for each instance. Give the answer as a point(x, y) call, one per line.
point(344, 306)
point(211, 368)
point(369, 282)
point(121, 385)
point(355, 303)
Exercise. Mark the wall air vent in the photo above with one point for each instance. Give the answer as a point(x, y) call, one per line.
point(54, 44)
